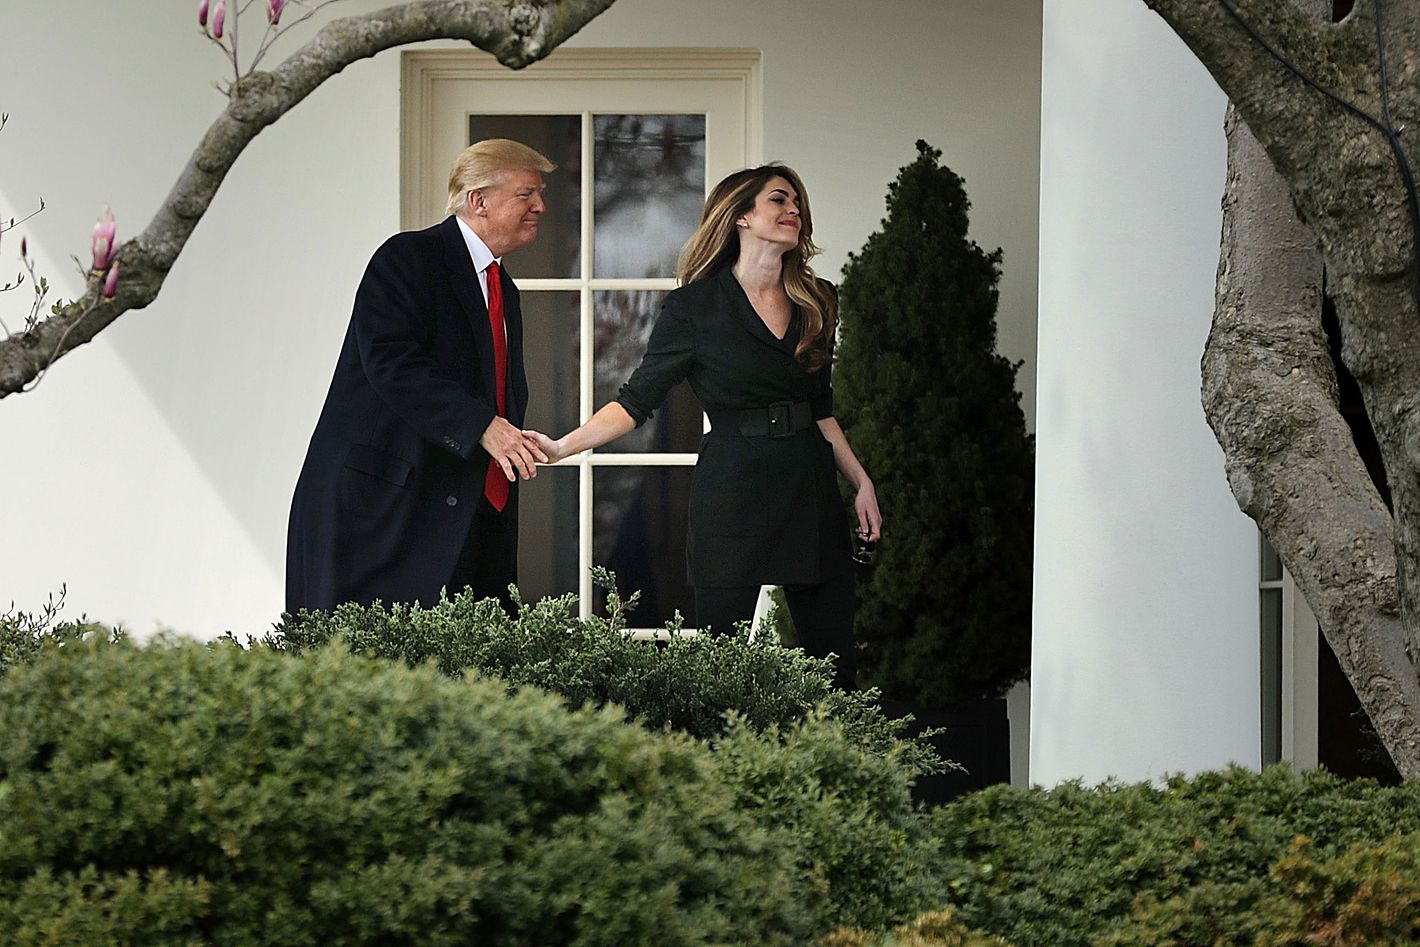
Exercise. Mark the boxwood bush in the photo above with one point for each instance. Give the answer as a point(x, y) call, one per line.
point(1207, 860)
point(185, 793)
point(689, 683)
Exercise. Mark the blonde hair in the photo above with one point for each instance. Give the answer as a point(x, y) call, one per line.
point(716, 244)
point(482, 164)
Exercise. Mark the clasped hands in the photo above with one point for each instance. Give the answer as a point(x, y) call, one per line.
point(519, 452)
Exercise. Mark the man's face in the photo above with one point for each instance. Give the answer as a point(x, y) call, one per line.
point(505, 214)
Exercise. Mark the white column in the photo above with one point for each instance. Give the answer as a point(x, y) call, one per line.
point(1146, 608)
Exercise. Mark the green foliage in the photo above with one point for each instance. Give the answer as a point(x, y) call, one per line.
point(1369, 895)
point(848, 818)
point(24, 636)
point(933, 929)
point(934, 414)
point(689, 683)
point(194, 794)
point(1189, 862)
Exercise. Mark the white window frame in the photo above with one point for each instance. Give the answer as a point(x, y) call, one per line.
point(688, 76)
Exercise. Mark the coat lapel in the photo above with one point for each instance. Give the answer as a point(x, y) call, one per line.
point(744, 312)
point(463, 281)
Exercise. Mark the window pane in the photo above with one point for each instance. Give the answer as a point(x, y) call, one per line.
point(557, 250)
point(638, 532)
point(1271, 666)
point(650, 186)
point(552, 344)
point(623, 327)
point(1271, 563)
point(547, 533)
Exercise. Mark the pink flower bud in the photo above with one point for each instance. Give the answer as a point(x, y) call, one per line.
point(104, 247)
point(202, 14)
point(219, 18)
point(111, 281)
point(273, 11)
point(24, 246)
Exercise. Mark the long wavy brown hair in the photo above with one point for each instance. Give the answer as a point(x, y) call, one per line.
point(716, 244)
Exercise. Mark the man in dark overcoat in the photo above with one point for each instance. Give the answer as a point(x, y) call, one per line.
point(409, 486)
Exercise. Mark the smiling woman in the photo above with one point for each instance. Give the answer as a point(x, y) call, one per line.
point(751, 329)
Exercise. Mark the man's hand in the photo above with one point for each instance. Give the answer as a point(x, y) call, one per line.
point(513, 452)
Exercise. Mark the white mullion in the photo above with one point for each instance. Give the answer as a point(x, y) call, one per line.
point(642, 460)
point(588, 377)
point(652, 283)
point(550, 282)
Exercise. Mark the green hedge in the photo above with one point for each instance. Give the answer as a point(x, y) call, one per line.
point(689, 683)
point(1194, 861)
point(256, 797)
point(933, 929)
point(187, 793)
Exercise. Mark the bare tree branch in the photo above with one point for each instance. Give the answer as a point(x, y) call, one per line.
point(517, 32)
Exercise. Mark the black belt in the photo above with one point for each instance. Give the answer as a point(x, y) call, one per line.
point(780, 419)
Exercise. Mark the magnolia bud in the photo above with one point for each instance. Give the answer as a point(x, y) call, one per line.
point(111, 281)
point(202, 14)
point(103, 244)
point(219, 18)
point(24, 246)
point(273, 11)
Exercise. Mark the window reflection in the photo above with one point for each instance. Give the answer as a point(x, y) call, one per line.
point(558, 248)
point(650, 186)
point(552, 345)
point(623, 322)
point(547, 533)
point(638, 532)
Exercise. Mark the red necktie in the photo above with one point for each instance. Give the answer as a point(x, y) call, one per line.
point(495, 484)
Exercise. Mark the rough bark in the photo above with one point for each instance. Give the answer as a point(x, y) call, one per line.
point(1269, 392)
point(1268, 388)
point(517, 32)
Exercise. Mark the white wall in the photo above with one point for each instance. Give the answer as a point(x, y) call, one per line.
point(1146, 631)
point(152, 470)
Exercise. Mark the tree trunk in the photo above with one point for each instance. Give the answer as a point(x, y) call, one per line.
point(1269, 391)
point(1312, 91)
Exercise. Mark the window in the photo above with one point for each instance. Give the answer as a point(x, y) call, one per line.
point(637, 137)
point(1288, 641)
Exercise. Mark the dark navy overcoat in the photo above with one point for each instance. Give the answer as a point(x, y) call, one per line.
point(394, 471)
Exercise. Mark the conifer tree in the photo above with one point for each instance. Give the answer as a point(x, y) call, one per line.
point(933, 412)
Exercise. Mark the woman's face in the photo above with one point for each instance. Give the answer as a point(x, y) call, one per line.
point(775, 215)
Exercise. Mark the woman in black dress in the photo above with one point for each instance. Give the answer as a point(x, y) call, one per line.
point(752, 330)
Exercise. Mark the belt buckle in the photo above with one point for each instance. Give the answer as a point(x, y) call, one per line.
point(780, 422)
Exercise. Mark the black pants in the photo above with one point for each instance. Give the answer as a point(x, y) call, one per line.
point(488, 562)
point(822, 613)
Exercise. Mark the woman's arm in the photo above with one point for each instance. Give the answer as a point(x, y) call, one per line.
point(605, 426)
point(870, 519)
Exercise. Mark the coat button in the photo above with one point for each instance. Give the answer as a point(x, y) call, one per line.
point(452, 500)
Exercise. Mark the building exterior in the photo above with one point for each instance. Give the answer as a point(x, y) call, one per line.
point(151, 472)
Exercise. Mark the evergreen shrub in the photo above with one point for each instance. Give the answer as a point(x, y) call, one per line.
point(206, 794)
point(1193, 861)
point(933, 412)
point(1369, 895)
point(689, 683)
point(933, 929)
point(848, 819)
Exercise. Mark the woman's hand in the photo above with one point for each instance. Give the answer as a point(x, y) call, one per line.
point(553, 450)
point(870, 518)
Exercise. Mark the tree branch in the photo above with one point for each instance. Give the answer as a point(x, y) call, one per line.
point(517, 32)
